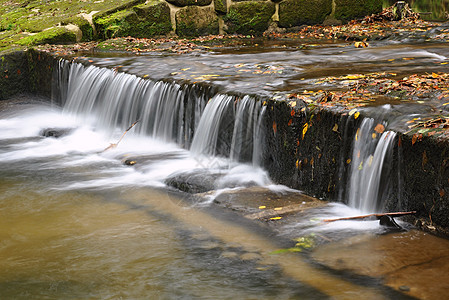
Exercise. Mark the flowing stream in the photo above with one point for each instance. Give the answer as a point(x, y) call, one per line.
point(80, 221)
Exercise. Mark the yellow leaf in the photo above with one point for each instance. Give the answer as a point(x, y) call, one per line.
point(374, 135)
point(348, 161)
point(262, 207)
point(276, 218)
point(293, 103)
point(447, 103)
point(278, 208)
point(357, 134)
point(335, 128)
point(356, 115)
point(304, 129)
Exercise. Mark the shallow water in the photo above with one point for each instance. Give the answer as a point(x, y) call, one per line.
point(78, 223)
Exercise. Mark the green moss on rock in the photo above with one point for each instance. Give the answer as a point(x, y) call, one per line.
point(195, 21)
point(143, 21)
point(183, 3)
point(298, 12)
point(252, 17)
point(55, 35)
point(220, 7)
point(84, 26)
point(347, 10)
point(13, 74)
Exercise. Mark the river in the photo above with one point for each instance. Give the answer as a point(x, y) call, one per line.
point(79, 220)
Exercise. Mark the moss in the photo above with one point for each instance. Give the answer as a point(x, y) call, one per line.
point(146, 20)
point(56, 35)
point(347, 10)
point(252, 17)
point(183, 3)
point(35, 16)
point(13, 74)
point(220, 6)
point(84, 26)
point(298, 12)
point(195, 21)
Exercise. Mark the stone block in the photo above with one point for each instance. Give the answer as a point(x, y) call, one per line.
point(298, 12)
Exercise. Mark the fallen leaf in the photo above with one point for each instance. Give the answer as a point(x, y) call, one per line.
point(379, 128)
point(304, 129)
point(335, 128)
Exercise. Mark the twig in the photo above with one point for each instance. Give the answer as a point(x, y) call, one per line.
point(112, 145)
point(372, 215)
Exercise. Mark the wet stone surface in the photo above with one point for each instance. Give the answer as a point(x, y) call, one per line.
point(412, 262)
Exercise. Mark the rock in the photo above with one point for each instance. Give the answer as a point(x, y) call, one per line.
point(298, 12)
point(54, 35)
point(183, 3)
point(195, 21)
point(142, 21)
point(347, 10)
point(55, 132)
point(389, 222)
point(220, 7)
point(250, 17)
point(193, 182)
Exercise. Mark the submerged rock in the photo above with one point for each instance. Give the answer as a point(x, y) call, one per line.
point(55, 132)
point(389, 222)
point(193, 182)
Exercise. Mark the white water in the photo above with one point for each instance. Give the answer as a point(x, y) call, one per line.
point(100, 104)
point(371, 152)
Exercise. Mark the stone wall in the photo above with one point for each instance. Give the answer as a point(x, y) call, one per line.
point(203, 17)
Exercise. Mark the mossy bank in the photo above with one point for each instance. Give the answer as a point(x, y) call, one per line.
point(26, 23)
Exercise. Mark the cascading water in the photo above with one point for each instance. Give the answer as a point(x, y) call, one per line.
point(372, 151)
point(191, 116)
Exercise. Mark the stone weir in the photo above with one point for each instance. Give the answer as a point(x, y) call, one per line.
point(330, 154)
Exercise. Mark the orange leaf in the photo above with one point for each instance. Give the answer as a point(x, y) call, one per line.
point(379, 128)
point(414, 138)
point(292, 113)
point(442, 193)
point(274, 127)
point(290, 122)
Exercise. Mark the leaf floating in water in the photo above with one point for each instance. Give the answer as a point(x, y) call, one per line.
point(374, 136)
point(361, 44)
point(262, 207)
point(356, 115)
point(290, 122)
point(360, 168)
point(414, 138)
point(379, 128)
point(348, 161)
point(274, 127)
point(276, 218)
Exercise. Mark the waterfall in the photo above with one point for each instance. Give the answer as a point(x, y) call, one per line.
point(231, 126)
point(220, 125)
point(370, 166)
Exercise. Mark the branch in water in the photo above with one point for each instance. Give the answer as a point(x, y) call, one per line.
point(112, 145)
point(393, 214)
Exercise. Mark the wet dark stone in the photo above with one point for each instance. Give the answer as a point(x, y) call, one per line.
point(193, 182)
point(389, 222)
point(55, 132)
